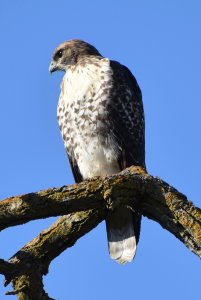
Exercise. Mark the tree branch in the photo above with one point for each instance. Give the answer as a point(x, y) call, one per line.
point(87, 204)
point(51, 202)
point(34, 258)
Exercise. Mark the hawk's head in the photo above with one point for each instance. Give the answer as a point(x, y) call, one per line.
point(69, 53)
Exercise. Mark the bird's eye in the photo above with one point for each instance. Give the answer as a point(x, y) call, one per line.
point(59, 53)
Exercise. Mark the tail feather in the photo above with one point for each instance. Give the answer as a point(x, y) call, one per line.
point(123, 234)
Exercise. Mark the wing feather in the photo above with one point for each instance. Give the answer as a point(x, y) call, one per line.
point(127, 115)
point(75, 169)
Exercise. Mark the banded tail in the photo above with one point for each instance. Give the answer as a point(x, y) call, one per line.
point(123, 229)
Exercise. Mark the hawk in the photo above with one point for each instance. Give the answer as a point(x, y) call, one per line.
point(101, 118)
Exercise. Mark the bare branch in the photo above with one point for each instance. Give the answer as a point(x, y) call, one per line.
point(87, 204)
point(151, 196)
point(6, 267)
point(34, 258)
point(51, 202)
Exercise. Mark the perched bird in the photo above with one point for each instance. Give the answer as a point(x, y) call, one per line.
point(101, 118)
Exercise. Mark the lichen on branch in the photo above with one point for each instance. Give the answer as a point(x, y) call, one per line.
point(82, 207)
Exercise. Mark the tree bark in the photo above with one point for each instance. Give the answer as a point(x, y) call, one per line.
point(85, 205)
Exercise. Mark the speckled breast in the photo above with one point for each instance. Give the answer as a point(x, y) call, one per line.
point(83, 118)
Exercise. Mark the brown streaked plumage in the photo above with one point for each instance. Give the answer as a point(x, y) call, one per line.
point(71, 52)
point(101, 118)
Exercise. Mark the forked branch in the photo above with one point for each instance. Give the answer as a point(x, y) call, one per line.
point(86, 205)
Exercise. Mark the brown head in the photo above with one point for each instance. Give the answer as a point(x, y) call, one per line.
point(69, 53)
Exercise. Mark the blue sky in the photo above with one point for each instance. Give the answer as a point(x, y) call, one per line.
point(160, 42)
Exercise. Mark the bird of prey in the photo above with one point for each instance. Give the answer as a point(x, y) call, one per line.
point(101, 118)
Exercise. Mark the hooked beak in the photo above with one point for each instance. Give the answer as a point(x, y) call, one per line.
point(53, 67)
